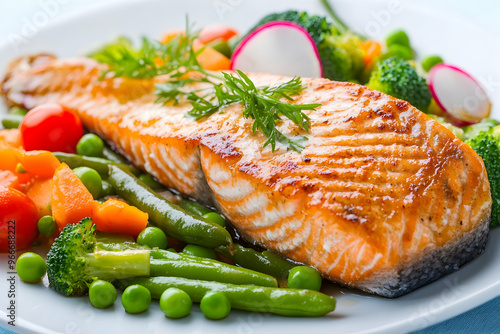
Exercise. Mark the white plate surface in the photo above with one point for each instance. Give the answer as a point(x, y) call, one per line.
point(41, 310)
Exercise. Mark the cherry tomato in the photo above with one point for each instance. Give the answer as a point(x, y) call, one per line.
point(51, 127)
point(212, 32)
point(18, 220)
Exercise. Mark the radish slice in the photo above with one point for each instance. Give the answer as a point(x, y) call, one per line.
point(461, 96)
point(278, 47)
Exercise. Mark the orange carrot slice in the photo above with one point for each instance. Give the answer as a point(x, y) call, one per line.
point(71, 201)
point(210, 59)
point(115, 216)
point(9, 158)
point(42, 164)
point(40, 192)
point(371, 50)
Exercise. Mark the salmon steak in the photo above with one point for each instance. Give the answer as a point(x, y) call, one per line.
point(382, 198)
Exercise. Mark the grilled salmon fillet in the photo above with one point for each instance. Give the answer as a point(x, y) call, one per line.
point(382, 198)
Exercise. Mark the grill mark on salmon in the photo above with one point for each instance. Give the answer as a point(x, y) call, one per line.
point(382, 198)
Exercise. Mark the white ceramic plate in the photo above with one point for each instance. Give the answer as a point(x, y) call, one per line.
point(41, 310)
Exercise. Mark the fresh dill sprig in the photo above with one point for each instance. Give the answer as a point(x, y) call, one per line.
point(177, 59)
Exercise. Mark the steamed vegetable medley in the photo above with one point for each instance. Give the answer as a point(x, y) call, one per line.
point(112, 226)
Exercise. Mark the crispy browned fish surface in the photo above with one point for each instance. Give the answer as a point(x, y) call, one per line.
point(382, 198)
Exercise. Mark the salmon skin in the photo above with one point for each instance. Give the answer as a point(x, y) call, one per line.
point(382, 198)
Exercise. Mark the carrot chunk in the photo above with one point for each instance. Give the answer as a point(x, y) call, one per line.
point(115, 216)
point(71, 201)
point(211, 59)
point(42, 164)
point(40, 192)
point(9, 158)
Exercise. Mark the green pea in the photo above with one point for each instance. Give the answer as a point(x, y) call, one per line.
point(199, 251)
point(302, 277)
point(431, 61)
point(47, 226)
point(150, 181)
point(152, 237)
point(107, 189)
point(102, 294)
point(400, 51)
point(215, 305)
point(398, 37)
point(31, 267)
point(18, 111)
point(136, 299)
point(91, 179)
point(214, 217)
point(175, 303)
point(90, 145)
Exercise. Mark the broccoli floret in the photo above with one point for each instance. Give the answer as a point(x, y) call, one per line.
point(316, 25)
point(396, 77)
point(486, 145)
point(486, 125)
point(74, 261)
point(340, 53)
point(458, 132)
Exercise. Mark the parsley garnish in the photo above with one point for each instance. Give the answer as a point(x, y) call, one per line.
point(176, 59)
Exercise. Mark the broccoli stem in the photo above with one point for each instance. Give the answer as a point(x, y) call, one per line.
point(341, 26)
point(108, 265)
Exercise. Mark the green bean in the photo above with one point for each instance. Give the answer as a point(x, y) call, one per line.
point(290, 302)
point(189, 266)
point(107, 189)
point(99, 164)
point(304, 277)
point(264, 262)
point(173, 220)
point(193, 207)
point(109, 154)
point(18, 111)
point(150, 182)
point(11, 121)
point(216, 218)
point(199, 251)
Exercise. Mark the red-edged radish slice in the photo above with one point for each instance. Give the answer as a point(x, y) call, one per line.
point(278, 47)
point(462, 98)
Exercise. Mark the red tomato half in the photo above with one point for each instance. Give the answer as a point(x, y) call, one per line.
point(51, 127)
point(18, 219)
